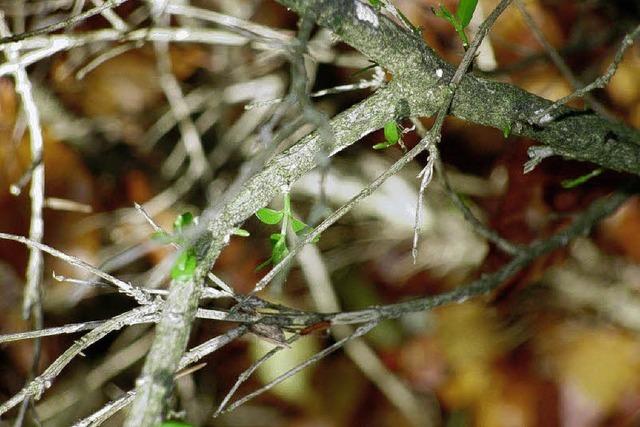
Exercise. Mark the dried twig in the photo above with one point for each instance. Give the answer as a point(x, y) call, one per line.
point(189, 357)
point(43, 381)
point(360, 331)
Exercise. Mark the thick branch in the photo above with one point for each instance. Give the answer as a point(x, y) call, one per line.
point(579, 135)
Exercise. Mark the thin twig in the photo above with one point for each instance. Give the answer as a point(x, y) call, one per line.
point(189, 357)
point(66, 329)
point(547, 114)
point(501, 243)
point(44, 381)
point(190, 137)
point(260, 33)
point(360, 331)
point(436, 130)
point(32, 293)
point(124, 287)
point(110, 4)
point(250, 370)
point(45, 47)
point(36, 144)
point(361, 354)
point(557, 59)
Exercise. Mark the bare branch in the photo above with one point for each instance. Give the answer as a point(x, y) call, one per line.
point(360, 331)
point(190, 357)
point(557, 59)
point(43, 381)
point(124, 287)
point(69, 22)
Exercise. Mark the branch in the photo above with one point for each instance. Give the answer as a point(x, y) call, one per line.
point(69, 22)
point(549, 113)
point(421, 76)
point(581, 226)
point(44, 381)
point(555, 57)
point(360, 331)
point(124, 287)
point(190, 357)
point(180, 308)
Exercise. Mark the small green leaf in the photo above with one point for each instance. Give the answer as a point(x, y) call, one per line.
point(263, 265)
point(274, 238)
point(241, 232)
point(572, 183)
point(391, 132)
point(506, 130)
point(269, 216)
point(182, 222)
point(465, 10)
point(298, 225)
point(279, 251)
point(175, 424)
point(375, 3)
point(184, 266)
point(444, 13)
point(161, 236)
point(381, 146)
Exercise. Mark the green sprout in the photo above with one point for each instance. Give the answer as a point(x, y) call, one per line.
point(391, 135)
point(241, 232)
point(506, 130)
point(460, 20)
point(279, 249)
point(572, 183)
point(187, 261)
point(175, 424)
point(185, 265)
point(183, 221)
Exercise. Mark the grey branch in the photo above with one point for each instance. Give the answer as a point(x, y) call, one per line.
point(44, 381)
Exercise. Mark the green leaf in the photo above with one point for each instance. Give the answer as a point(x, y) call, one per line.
point(391, 132)
point(298, 225)
point(184, 266)
point(175, 424)
point(279, 251)
point(264, 264)
point(444, 13)
point(506, 130)
point(465, 10)
point(269, 216)
point(381, 146)
point(375, 3)
point(162, 237)
point(182, 222)
point(241, 232)
point(572, 183)
point(274, 238)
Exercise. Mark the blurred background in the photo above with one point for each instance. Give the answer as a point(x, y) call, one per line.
point(558, 345)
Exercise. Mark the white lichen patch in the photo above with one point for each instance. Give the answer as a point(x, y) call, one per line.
point(365, 13)
point(545, 119)
point(439, 73)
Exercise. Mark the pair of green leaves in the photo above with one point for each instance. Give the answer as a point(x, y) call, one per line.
point(279, 249)
point(461, 19)
point(391, 135)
